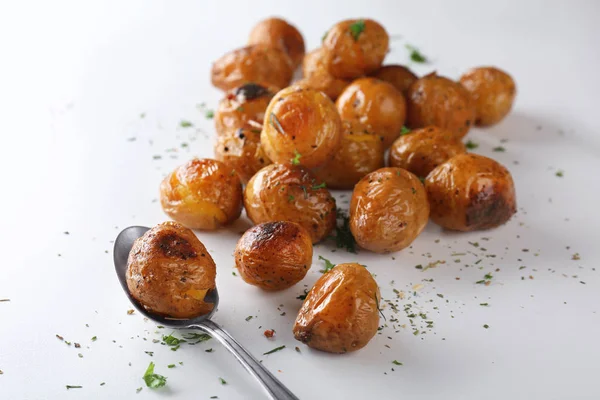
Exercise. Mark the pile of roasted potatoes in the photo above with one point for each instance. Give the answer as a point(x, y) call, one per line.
point(351, 122)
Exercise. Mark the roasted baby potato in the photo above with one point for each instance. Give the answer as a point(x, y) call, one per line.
point(241, 150)
point(317, 76)
point(274, 255)
point(276, 32)
point(283, 192)
point(376, 104)
point(435, 100)
point(202, 194)
point(493, 92)
point(261, 64)
point(360, 153)
point(243, 107)
point(341, 312)
point(470, 192)
point(397, 75)
point(169, 272)
point(301, 126)
point(421, 150)
point(354, 48)
point(388, 210)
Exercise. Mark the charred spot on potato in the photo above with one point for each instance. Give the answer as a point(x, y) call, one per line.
point(250, 91)
point(176, 247)
point(488, 208)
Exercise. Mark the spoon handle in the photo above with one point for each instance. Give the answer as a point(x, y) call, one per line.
point(275, 389)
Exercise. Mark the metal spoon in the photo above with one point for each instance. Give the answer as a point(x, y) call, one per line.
point(274, 388)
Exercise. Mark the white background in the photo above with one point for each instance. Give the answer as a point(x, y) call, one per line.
point(74, 79)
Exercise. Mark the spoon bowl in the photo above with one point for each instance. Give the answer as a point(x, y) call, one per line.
point(272, 386)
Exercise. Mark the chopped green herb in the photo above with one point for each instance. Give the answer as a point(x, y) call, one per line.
point(328, 265)
point(419, 266)
point(209, 114)
point(471, 145)
point(143, 115)
point(171, 366)
point(303, 296)
point(233, 273)
point(405, 131)
point(357, 28)
point(150, 353)
point(560, 173)
point(441, 296)
point(79, 355)
point(74, 387)
point(486, 326)
point(249, 317)
point(321, 185)
point(172, 340)
point(415, 54)
point(102, 383)
point(175, 348)
point(499, 149)
point(274, 350)
point(153, 380)
point(209, 350)
point(198, 337)
point(94, 338)
point(296, 159)
point(223, 381)
point(214, 397)
point(291, 198)
point(484, 304)
point(324, 36)
point(185, 124)
point(395, 362)
point(138, 389)
point(275, 123)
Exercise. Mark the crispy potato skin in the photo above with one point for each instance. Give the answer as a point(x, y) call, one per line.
point(202, 194)
point(360, 153)
point(435, 100)
point(274, 255)
point(350, 58)
point(376, 104)
point(340, 313)
point(388, 210)
point(241, 151)
point(243, 107)
point(301, 121)
point(169, 272)
point(259, 64)
point(316, 75)
point(290, 193)
point(421, 150)
point(470, 192)
point(397, 75)
point(276, 32)
point(493, 91)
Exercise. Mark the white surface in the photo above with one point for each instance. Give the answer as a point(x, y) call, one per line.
point(75, 78)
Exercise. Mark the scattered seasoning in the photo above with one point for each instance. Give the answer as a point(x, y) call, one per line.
point(297, 349)
point(79, 355)
point(102, 383)
point(274, 350)
point(60, 337)
point(94, 338)
point(357, 28)
point(185, 124)
point(209, 350)
point(471, 145)
point(415, 54)
point(441, 296)
point(171, 366)
point(150, 353)
point(486, 326)
point(214, 397)
point(484, 304)
point(404, 131)
point(73, 387)
point(328, 265)
point(296, 159)
point(233, 273)
point(303, 296)
point(559, 173)
point(291, 198)
point(198, 337)
point(129, 312)
point(172, 340)
point(223, 381)
point(77, 345)
point(343, 236)
point(275, 123)
point(486, 280)
point(249, 317)
point(576, 257)
point(499, 149)
point(395, 362)
point(143, 115)
point(138, 389)
point(153, 380)
point(269, 333)
point(321, 185)
point(209, 114)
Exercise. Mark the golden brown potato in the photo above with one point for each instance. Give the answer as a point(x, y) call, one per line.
point(258, 64)
point(169, 272)
point(360, 153)
point(243, 107)
point(282, 192)
point(317, 76)
point(274, 255)
point(421, 150)
point(470, 192)
point(276, 32)
point(397, 75)
point(355, 48)
point(341, 312)
point(388, 210)
point(376, 104)
point(493, 91)
point(302, 127)
point(202, 194)
point(435, 100)
point(241, 150)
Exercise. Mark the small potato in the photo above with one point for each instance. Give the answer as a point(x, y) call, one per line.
point(354, 48)
point(421, 150)
point(274, 255)
point(301, 126)
point(360, 153)
point(290, 193)
point(388, 210)
point(435, 100)
point(397, 75)
point(470, 192)
point(241, 150)
point(317, 76)
point(202, 194)
point(243, 107)
point(170, 273)
point(259, 64)
point(276, 32)
point(493, 91)
point(376, 104)
point(341, 312)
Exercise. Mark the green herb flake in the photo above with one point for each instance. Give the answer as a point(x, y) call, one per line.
point(153, 380)
point(233, 273)
point(296, 159)
point(209, 350)
point(209, 114)
point(357, 28)
point(395, 362)
point(214, 397)
point(484, 304)
point(486, 326)
point(291, 198)
point(142, 115)
point(415, 54)
point(185, 124)
point(321, 185)
point(138, 389)
point(73, 387)
point(499, 149)
point(249, 317)
point(471, 145)
point(172, 340)
point(223, 381)
point(102, 383)
point(328, 265)
point(171, 366)
point(405, 131)
point(303, 296)
point(276, 349)
point(94, 338)
point(324, 36)
point(560, 173)
point(198, 337)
